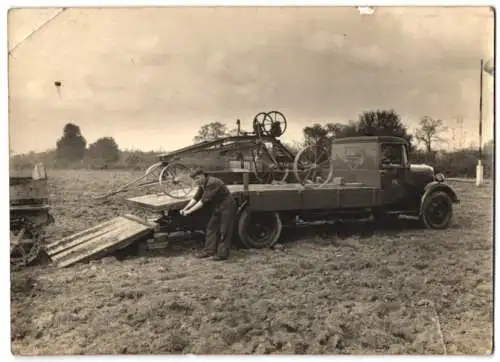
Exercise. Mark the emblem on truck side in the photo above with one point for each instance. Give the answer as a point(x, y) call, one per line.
point(353, 156)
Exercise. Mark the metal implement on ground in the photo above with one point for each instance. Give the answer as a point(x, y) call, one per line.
point(361, 177)
point(29, 214)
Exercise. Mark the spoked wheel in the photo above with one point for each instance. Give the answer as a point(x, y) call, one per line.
point(175, 180)
point(437, 210)
point(25, 243)
point(258, 122)
point(152, 173)
point(155, 168)
point(269, 172)
point(312, 166)
point(274, 124)
point(259, 230)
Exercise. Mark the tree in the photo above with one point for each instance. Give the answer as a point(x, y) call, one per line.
point(338, 130)
point(71, 146)
point(323, 135)
point(383, 123)
point(429, 131)
point(105, 151)
point(316, 135)
point(211, 131)
point(489, 148)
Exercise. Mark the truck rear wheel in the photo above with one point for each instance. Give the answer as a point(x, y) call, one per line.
point(259, 230)
point(437, 210)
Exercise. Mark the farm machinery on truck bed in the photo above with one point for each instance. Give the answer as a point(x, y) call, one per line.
point(364, 177)
point(260, 151)
point(29, 215)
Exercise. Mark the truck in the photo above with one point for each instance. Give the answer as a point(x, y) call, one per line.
point(368, 176)
point(364, 177)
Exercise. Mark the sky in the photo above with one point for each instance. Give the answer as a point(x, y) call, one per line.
point(151, 77)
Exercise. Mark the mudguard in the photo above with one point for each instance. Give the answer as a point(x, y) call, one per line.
point(434, 186)
point(240, 210)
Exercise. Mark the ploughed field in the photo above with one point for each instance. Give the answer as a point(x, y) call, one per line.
point(398, 290)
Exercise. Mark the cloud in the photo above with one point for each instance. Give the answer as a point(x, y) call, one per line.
point(148, 66)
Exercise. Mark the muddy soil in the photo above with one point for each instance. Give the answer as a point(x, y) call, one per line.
point(402, 290)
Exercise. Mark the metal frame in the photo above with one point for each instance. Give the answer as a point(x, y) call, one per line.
point(162, 173)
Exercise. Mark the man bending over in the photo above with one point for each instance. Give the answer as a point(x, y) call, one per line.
point(214, 194)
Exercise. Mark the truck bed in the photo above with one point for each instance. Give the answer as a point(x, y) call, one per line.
point(268, 197)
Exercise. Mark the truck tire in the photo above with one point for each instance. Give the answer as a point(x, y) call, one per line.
point(259, 230)
point(437, 210)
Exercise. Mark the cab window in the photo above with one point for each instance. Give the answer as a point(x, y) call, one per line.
point(392, 155)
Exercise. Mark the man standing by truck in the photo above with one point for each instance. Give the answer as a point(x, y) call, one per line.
point(214, 194)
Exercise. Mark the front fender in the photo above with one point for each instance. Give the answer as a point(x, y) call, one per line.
point(434, 186)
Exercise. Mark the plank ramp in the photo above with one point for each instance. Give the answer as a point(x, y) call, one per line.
point(99, 240)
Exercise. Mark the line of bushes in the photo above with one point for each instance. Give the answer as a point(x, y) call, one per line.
point(461, 163)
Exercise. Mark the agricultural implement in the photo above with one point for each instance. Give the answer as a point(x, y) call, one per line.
point(363, 177)
point(29, 215)
point(260, 153)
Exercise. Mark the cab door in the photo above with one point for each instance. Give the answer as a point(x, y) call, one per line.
point(394, 171)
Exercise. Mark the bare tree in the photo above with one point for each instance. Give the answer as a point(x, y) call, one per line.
point(429, 131)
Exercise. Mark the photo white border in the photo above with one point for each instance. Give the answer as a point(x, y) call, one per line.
point(5, 344)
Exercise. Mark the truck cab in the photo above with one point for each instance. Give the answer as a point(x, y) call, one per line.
point(411, 189)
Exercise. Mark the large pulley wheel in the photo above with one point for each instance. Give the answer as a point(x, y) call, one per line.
point(176, 181)
point(25, 243)
point(259, 230)
point(258, 122)
point(312, 166)
point(274, 124)
point(269, 124)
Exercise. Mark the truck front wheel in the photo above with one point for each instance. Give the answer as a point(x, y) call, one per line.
point(259, 230)
point(437, 210)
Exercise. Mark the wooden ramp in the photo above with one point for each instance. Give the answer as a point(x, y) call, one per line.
point(99, 240)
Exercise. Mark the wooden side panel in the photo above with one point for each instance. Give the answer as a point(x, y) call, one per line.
point(275, 200)
point(320, 199)
point(353, 198)
point(310, 199)
point(281, 197)
point(98, 241)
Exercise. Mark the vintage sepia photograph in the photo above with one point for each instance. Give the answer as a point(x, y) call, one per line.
point(251, 180)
